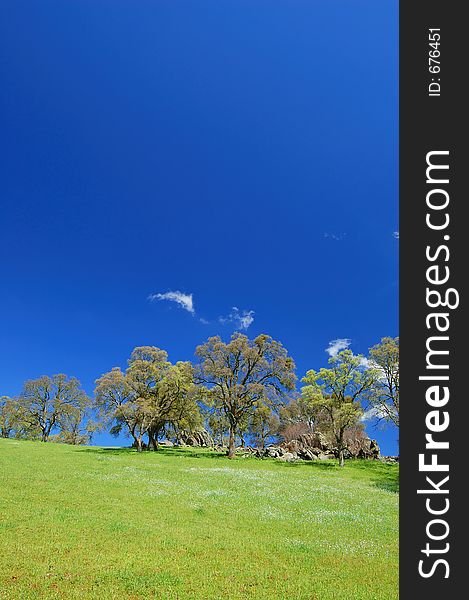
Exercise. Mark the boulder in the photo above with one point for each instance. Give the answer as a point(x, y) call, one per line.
point(287, 457)
point(310, 446)
point(326, 456)
point(307, 455)
point(389, 459)
point(368, 449)
point(269, 452)
point(200, 437)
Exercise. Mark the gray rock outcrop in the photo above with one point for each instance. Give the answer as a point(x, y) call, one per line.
point(200, 437)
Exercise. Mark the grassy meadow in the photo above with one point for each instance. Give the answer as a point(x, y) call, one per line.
point(89, 522)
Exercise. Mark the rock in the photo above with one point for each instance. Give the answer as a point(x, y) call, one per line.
point(287, 457)
point(325, 456)
point(273, 451)
point(247, 451)
point(389, 459)
point(307, 455)
point(167, 443)
point(309, 446)
point(368, 449)
point(200, 437)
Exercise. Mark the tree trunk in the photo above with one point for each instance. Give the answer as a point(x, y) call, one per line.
point(139, 444)
point(341, 447)
point(231, 447)
point(152, 441)
point(341, 458)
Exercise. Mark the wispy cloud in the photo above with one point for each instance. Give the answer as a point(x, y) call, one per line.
point(335, 236)
point(335, 346)
point(395, 235)
point(242, 319)
point(183, 300)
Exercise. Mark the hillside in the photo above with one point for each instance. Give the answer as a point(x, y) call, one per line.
point(88, 522)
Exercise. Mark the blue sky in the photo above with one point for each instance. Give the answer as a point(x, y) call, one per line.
point(242, 152)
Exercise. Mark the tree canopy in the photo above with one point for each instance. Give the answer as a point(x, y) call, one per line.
point(384, 399)
point(338, 392)
point(243, 374)
point(151, 395)
point(241, 387)
point(45, 403)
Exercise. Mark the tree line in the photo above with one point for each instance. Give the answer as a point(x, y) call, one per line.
point(236, 389)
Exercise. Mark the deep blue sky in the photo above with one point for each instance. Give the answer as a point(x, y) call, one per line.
point(242, 151)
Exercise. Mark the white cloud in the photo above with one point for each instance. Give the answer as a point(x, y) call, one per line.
point(366, 363)
point(204, 321)
point(183, 300)
point(395, 235)
point(335, 346)
point(375, 412)
point(241, 319)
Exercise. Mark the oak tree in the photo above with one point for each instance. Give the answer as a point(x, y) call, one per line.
point(149, 397)
point(338, 391)
point(242, 375)
point(45, 401)
point(384, 400)
point(9, 416)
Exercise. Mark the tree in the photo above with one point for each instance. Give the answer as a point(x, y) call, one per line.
point(301, 411)
point(263, 424)
point(242, 375)
point(384, 400)
point(150, 396)
point(177, 403)
point(114, 400)
point(338, 392)
point(75, 428)
point(45, 401)
point(218, 424)
point(9, 416)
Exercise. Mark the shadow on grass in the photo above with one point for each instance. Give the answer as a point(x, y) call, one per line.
point(384, 476)
point(197, 452)
point(321, 465)
point(103, 450)
point(189, 452)
point(389, 483)
point(381, 475)
point(186, 452)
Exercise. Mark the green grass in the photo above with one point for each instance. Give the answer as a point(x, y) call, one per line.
point(78, 522)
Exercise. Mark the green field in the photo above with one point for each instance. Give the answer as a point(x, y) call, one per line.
point(87, 522)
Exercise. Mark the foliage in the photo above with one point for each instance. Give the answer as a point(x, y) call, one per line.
point(219, 426)
point(239, 388)
point(304, 413)
point(384, 399)
point(338, 391)
point(151, 396)
point(9, 416)
point(293, 431)
point(47, 403)
point(242, 375)
point(263, 424)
